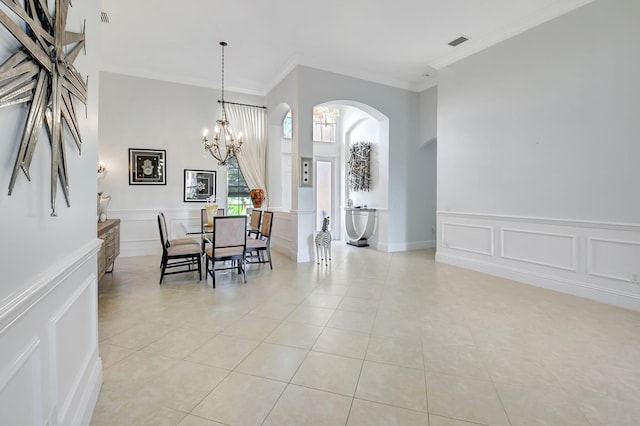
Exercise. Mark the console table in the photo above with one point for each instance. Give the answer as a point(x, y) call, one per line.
point(109, 232)
point(355, 237)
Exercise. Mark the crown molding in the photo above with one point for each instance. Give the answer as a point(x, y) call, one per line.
point(176, 78)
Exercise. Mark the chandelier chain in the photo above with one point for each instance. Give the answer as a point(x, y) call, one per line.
point(224, 144)
point(224, 113)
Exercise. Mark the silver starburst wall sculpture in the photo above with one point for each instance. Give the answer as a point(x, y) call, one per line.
point(41, 75)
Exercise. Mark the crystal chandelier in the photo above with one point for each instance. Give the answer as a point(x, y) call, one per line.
point(224, 144)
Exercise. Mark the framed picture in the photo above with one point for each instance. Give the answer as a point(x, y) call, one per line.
point(199, 185)
point(147, 167)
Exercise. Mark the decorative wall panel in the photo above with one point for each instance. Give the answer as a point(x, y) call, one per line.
point(614, 259)
point(21, 397)
point(540, 248)
point(470, 238)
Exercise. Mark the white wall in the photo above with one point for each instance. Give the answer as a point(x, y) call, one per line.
point(50, 371)
point(538, 155)
point(145, 113)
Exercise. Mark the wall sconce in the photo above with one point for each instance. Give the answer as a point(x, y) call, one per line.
point(101, 167)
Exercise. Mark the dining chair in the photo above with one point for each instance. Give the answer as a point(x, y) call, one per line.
point(206, 230)
point(254, 223)
point(177, 241)
point(228, 244)
point(178, 256)
point(258, 247)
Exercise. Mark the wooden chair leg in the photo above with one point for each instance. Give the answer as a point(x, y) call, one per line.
point(164, 267)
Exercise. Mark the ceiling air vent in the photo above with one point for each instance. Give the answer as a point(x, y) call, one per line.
point(104, 17)
point(458, 41)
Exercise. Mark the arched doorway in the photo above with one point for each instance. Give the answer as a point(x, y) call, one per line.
point(337, 125)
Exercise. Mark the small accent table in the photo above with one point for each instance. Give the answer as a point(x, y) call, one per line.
point(355, 237)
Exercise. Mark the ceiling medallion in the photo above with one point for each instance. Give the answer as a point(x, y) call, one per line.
point(41, 74)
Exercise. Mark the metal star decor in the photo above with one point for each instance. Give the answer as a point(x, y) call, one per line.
point(41, 73)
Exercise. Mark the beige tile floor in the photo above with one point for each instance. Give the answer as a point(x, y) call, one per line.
point(372, 339)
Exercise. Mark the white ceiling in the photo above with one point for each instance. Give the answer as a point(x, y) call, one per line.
point(389, 42)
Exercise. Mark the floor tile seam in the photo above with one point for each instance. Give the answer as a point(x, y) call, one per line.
point(346, 421)
point(462, 376)
point(504, 408)
point(152, 342)
point(360, 373)
point(490, 381)
point(426, 384)
point(197, 404)
point(391, 405)
point(256, 347)
point(323, 390)
point(105, 342)
point(274, 404)
point(297, 347)
point(335, 354)
point(133, 352)
point(577, 406)
point(393, 365)
point(460, 420)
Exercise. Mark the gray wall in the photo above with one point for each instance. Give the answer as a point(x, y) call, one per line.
point(538, 156)
point(428, 127)
point(546, 124)
point(144, 113)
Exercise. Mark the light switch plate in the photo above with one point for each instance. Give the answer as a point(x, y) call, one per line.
point(306, 171)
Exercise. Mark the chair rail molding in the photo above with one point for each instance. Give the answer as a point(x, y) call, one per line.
point(16, 305)
point(591, 259)
point(48, 332)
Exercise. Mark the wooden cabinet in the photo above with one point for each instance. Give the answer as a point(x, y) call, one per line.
point(109, 231)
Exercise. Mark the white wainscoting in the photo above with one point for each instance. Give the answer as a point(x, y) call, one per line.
point(139, 234)
point(50, 370)
point(599, 261)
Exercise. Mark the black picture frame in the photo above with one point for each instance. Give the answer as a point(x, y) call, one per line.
point(199, 185)
point(147, 166)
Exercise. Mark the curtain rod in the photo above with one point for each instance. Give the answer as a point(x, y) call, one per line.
point(247, 105)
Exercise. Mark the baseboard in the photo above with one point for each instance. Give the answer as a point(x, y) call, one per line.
point(407, 246)
point(588, 291)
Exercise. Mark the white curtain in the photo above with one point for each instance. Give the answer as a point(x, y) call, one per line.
point(252, 122)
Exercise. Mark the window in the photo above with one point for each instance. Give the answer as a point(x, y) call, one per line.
point(238, 198)
point(287, 130)
point(324, 124)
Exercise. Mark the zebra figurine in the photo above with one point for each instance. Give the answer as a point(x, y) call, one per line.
point(323, 243)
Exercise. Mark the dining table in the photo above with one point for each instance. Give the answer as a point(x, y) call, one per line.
point(194, 229)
